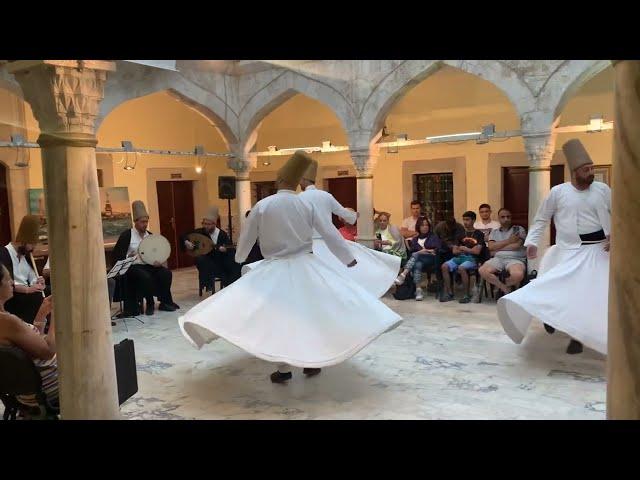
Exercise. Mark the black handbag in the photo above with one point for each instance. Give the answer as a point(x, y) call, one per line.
point(407, 290)
point(126, 373)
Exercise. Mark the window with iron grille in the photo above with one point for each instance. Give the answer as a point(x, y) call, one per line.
point(434, 191)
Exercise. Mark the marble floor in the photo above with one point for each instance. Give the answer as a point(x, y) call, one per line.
point(446, 361)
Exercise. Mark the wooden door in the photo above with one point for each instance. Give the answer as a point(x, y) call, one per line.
point(175, 208)
point(557, 177)
point(5, 220)
point(516, 193)
point(344, 189)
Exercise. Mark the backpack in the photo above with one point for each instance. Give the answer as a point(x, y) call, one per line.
point(407, 290)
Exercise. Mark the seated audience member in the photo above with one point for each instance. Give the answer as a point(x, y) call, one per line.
point(407, 228)
point(424, 250)
point(389, 239)
point(149, 280)
point(349, 232)
point(507, 245)
point(466, 255)
point(255, 254)
point(484, 223)
point(31, 339)
point(449, 232)
point(16, 257)
point(218, 262)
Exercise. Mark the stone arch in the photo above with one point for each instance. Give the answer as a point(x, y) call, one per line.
point(567, 80)
point(284, 86)
point(131, 82)
point(409, 73)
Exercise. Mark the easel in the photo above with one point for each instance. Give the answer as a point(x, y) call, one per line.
point(119, 269)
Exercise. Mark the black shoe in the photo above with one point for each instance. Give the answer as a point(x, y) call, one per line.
point(175, 305)
point(279, 377)
point(446, 297)
point(310, 372)
point(574, 347)
point(165, 307)
point(550, 330)
point(151, 306)
point(465, 299)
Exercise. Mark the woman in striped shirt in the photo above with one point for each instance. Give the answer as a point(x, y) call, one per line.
point(40, 347)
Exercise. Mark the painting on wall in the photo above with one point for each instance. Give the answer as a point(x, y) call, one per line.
point(114, 208)
point(37, 206)
point(116, 212)
point(602, 173)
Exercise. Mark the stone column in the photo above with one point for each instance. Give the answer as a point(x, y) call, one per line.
point(623, 362)
point(539, 148)
point(65, 97)
point(365, 160)
point(242, 165)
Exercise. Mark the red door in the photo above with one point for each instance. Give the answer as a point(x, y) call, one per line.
point(175, 208)
point(344, 190)
point(516, 193)
point(5, 220)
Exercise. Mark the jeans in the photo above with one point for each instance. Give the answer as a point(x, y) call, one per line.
point(417, 263)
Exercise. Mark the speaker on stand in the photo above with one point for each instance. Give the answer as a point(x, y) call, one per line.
point(227, 190)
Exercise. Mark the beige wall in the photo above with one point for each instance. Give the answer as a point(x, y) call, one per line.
point(447, 102)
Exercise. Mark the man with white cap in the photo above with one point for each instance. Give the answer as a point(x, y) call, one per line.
point(149, 280)
point(572, 288)
point(218, 262)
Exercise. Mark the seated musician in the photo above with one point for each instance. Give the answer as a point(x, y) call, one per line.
point(141, 278)
point(28, 286)
point(217, 263)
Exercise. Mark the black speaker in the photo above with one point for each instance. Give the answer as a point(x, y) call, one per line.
point(126, 373)
point(227, 188)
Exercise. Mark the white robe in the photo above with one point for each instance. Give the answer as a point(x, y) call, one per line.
point(572, 288)
point(375, 271)
point(292, 308)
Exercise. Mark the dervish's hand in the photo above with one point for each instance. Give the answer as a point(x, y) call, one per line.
point(532, 252)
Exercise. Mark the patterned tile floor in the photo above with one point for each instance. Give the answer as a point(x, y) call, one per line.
point(446, 361)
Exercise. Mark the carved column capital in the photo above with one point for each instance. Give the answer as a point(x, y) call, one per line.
point(540, 148)
point(65, 97)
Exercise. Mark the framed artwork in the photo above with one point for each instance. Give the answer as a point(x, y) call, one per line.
point(602, 174)
point(115, 210)
point(37, 206)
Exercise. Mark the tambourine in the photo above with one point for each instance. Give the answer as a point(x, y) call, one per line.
point(201, 243)
point(154, 248)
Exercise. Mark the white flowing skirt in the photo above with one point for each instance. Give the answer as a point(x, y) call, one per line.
point(571, 294)
point(375, 271)
point(295, 310)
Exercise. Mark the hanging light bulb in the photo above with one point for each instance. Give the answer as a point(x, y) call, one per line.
point(199, 151)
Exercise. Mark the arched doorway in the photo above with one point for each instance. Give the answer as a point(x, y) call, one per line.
point(5, 219)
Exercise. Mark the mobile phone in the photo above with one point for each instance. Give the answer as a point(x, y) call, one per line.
point(379, 236)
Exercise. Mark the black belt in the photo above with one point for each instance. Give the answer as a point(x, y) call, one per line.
point(593, 237)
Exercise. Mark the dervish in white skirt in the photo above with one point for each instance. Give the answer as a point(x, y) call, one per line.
point(293, 309)
point(572, 288)
point(375, 271)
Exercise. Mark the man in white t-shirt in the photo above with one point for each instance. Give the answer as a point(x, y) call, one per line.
point(408, 226)
point(484, 223)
